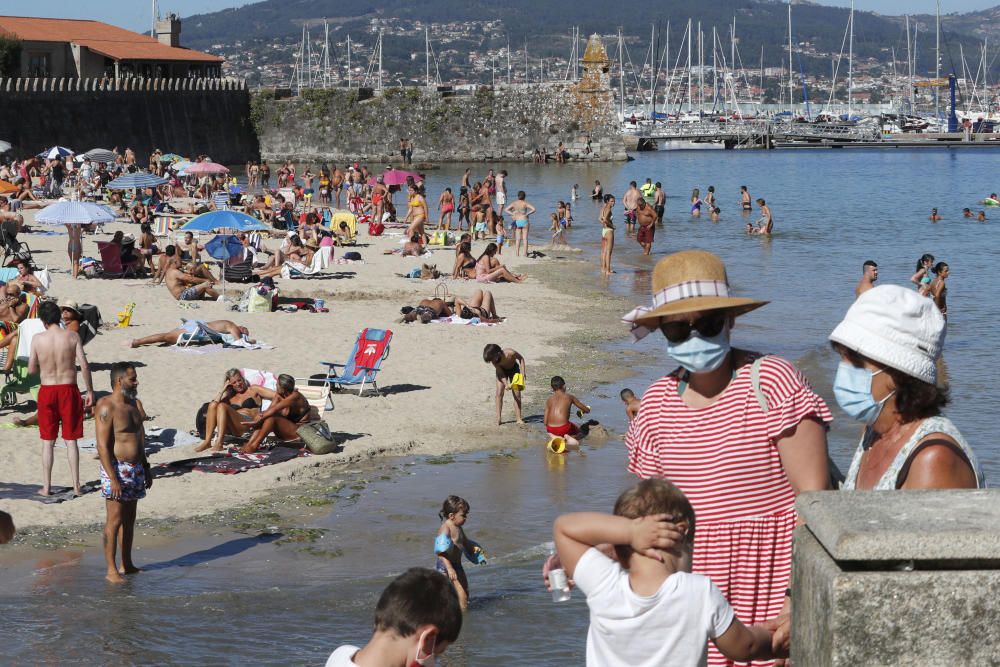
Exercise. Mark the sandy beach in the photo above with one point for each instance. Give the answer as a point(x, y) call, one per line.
point(438, 392)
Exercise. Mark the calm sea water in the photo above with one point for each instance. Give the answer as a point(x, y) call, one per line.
point(232, 599)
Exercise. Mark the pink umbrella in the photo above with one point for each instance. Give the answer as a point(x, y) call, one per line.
point(398, 177)
point(206, 169)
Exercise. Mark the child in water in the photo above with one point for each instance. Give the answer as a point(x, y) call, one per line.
point(631, 404)
point(451, 543)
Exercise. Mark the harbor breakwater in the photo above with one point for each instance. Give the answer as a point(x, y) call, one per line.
point(184, 116)
point(508, 123)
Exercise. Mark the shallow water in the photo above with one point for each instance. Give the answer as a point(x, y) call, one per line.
point(228, 598)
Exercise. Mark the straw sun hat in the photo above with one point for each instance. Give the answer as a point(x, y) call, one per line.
point(687, 282)
point(69, 304)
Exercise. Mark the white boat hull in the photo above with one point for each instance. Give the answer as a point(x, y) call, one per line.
point(688, 145)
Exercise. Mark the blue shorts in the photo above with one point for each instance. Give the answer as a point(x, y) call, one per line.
point(190, 294)
point(521, 224)
point(500, 239)
point(131, 478)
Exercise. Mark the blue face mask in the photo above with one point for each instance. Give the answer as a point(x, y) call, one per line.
point(701, 355)
point(852, 388)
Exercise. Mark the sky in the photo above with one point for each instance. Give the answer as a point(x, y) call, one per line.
point(135, 14)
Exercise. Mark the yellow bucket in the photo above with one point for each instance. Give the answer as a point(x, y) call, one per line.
point(556, 444)
point(517, 382)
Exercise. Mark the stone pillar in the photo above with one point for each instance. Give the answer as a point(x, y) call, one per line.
point(896, 578)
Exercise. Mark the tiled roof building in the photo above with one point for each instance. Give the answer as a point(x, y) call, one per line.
point(79, 48)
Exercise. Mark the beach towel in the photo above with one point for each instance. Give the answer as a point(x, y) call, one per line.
point(157, 438)
point(455, 319)
point(232, 462)
point(57, 494)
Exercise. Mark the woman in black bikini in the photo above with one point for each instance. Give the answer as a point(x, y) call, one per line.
point(289, 410)
point(481, 305)
point(233, 409)
point(465, 263)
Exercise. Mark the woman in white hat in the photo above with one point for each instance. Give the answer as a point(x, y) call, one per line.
point(739, 433)
point(889, 344)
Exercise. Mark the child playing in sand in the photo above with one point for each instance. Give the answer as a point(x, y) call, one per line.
point(451, 544)
point(631, 404)
point(557, 413)
point(507, 363)
point(417, 617)
point(646, 608)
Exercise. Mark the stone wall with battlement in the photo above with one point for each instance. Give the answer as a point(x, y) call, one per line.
point(184, 116)
point(505, 123)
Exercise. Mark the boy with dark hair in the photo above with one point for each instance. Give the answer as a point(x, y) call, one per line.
point(507, 363)
point(557, 408)
point(417, 617)
point(646, 608)
point(631, 404)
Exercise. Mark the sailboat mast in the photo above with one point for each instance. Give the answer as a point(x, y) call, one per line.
point(909, 65)
point(715, 71)
point(652, 74)
point(380, 60)
point(791, 84)
point(427, 56)
point(937, 60)
point(850, 66)
point(348, 62)
point(508, 60)
point(621, 72)
point(690, 63)
point(701, 71)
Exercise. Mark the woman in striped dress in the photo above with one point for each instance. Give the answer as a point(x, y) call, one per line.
point(740, 434)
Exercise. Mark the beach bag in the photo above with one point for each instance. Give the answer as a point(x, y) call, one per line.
point(258, 299)
point(414, 272)
point(375, 228)
point(441, 291)
point(317, 438)
point(439, 238)
point(353, 255)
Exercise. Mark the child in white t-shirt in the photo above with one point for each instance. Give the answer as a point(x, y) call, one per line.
point(646, 608)
point(416, 619)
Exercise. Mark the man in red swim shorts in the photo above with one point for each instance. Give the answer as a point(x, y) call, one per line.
point(55, 353)
point(557, 412)
point(645, 215)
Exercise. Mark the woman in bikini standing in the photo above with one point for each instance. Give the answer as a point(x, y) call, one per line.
point(520, 211)
point(607, 234)
point(75, 247)
point(446, 204)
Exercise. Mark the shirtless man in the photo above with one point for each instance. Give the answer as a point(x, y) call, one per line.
point(507, 362)
point(230, 332)
point(659, 202)
point(54, 355)
point(500, 184)
point(557, 408)
point(13, 306)
point(184, 286)
point(646, 218)
point(631, 202)
point(168, 260)
point(868, 278)
point(125, 473)
point(337, 184)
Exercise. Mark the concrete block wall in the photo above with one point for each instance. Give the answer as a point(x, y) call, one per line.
point(502, 124)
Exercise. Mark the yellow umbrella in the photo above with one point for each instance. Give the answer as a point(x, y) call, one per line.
point(7, 188)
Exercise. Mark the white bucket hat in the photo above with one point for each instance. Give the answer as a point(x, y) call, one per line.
point(897, 327)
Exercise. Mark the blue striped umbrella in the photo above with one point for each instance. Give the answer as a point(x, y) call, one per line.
point(55, 151)
point(139, 180)
point(214, 220)
point(74, 213)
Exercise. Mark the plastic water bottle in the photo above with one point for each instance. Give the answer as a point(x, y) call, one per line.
point(559, 584)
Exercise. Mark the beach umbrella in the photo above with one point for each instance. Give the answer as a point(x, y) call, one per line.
point(100, 155)
point(398, 177)
point(171, 157)
point(216, 220)
point(74, 213)
point(137, 180)
point(206, 169)
point(224, 247)
point(55, 151)
point(4, 146)
point(7, 188)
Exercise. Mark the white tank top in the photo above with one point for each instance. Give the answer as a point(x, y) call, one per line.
point(890, 479)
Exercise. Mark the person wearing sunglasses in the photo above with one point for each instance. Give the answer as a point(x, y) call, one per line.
point(739, 433)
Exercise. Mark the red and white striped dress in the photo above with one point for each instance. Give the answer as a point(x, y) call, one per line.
point(725, 459)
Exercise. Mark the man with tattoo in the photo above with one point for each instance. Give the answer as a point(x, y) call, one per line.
point(125, 473)
point(54, 355)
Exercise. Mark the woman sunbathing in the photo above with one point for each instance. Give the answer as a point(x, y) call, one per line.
point(232, 410)
point(481, 305)
point(465, 263)
point(490, 270)
point(289, 410)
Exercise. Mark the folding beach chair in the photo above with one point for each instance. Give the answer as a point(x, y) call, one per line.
point(196, 331)
point(18, 381)
point(363, 364)
point(12, 248)
point(220, 201)
point(111, 261)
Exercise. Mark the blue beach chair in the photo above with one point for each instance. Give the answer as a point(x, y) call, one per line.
point(363, 364)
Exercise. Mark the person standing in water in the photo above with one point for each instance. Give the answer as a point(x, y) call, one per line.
point(659, 202)
point(922, 277)
point(646, 218)
point(607, 234)
point(938, 289)
point(868, 278)
point(125, 473)
point(765, 224)
point(696, 203)
point(745, 200)
point(631, 202)
point(520, 212)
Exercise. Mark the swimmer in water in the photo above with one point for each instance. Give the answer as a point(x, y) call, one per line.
point(966, 212)
point(745, 201)
point(765, 224)
point(981, 217)
point(922, 277)
point(451, 544)
point(934, 217)
point(696, 203)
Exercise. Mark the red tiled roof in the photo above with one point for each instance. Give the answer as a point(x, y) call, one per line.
point(102, 38)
